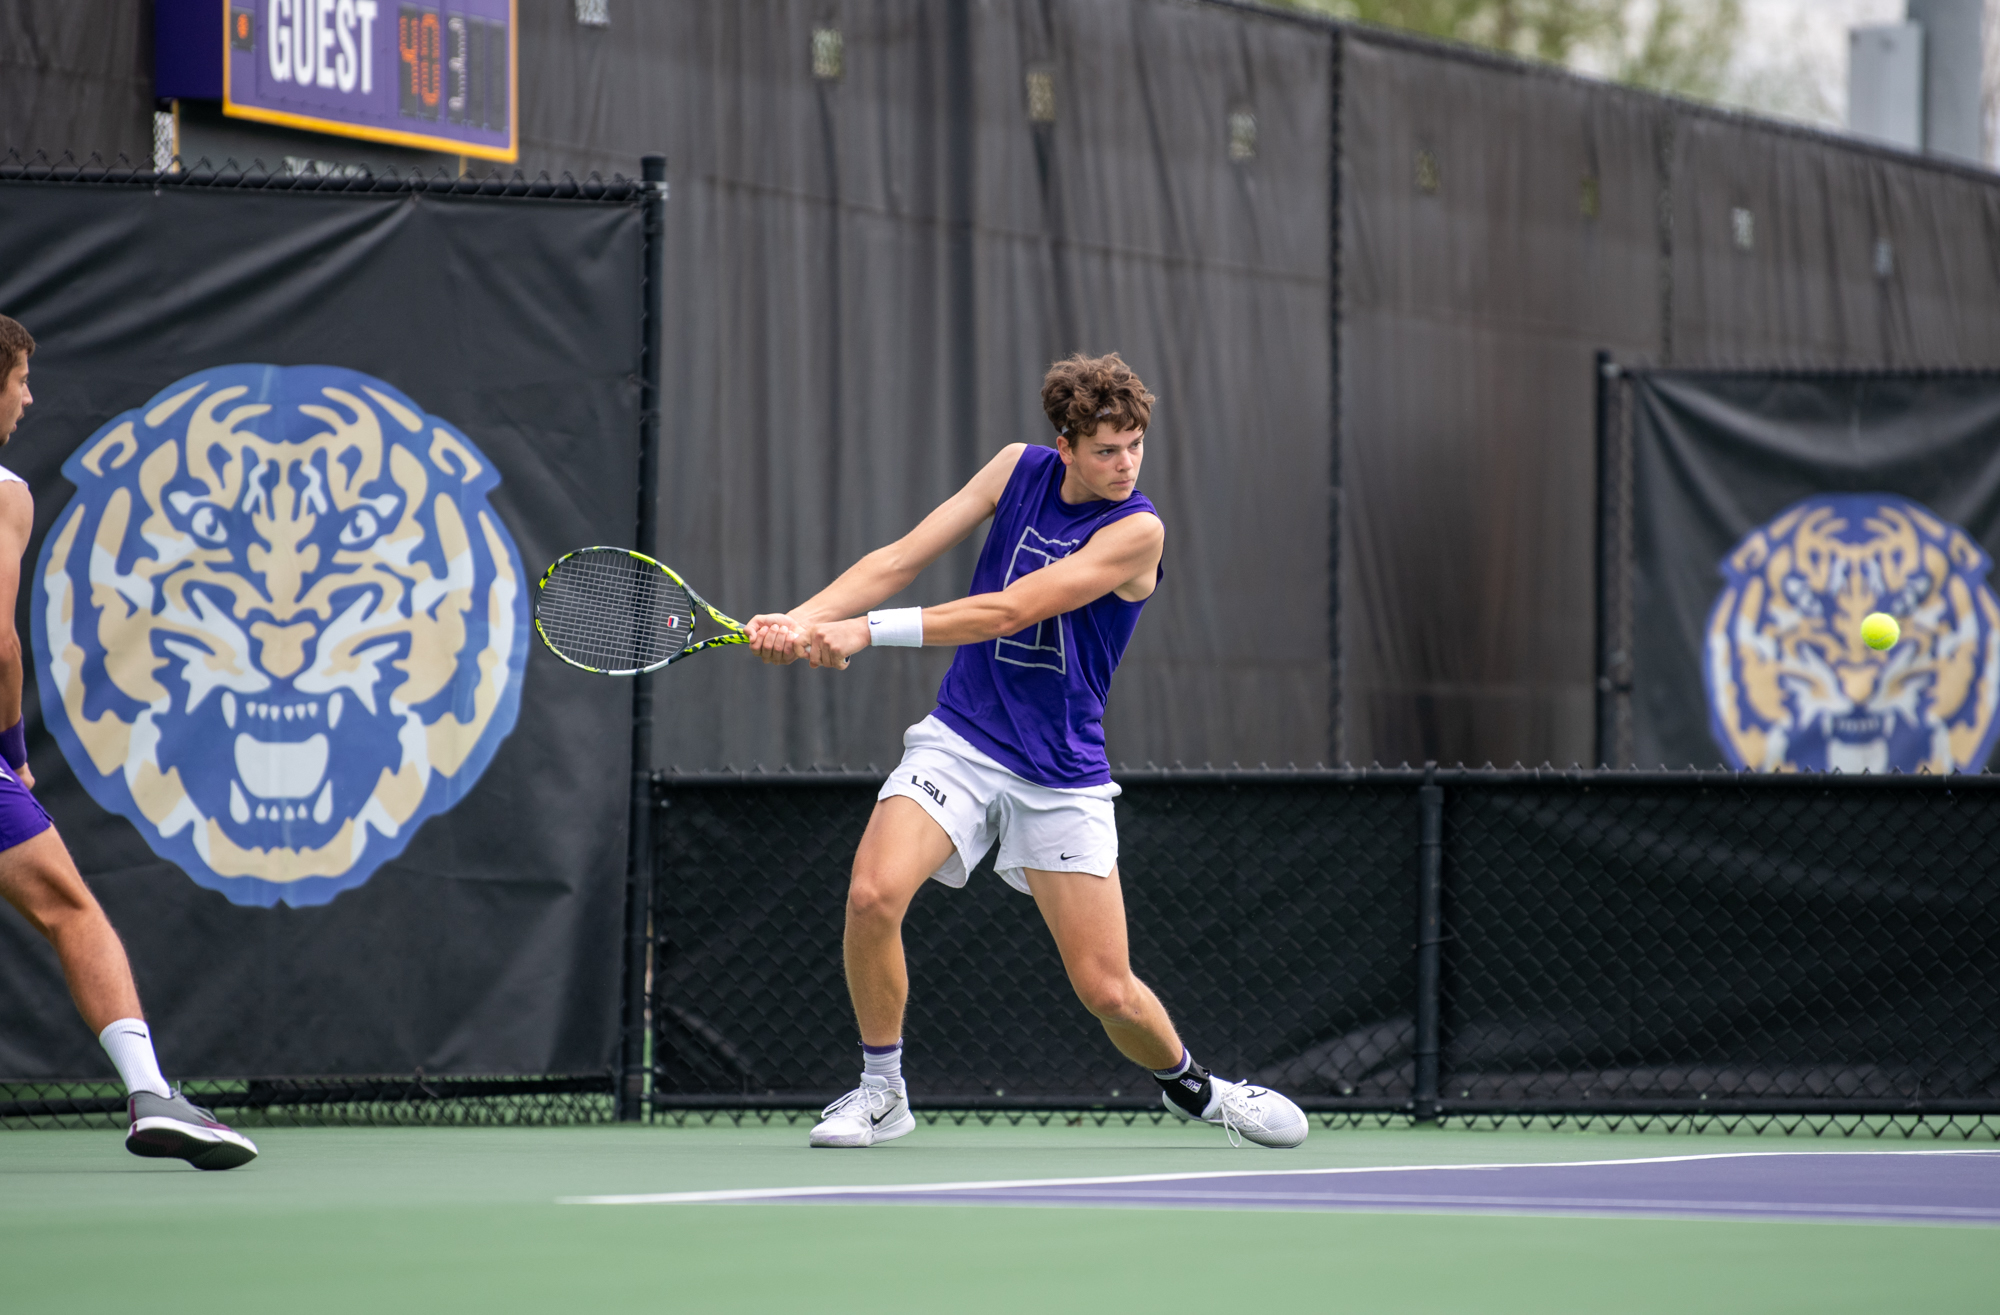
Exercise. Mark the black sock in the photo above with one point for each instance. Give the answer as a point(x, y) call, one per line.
point(1186, 1084)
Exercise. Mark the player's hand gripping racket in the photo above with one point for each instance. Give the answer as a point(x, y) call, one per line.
point(618, 613)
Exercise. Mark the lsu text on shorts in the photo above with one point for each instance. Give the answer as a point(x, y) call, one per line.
point(977, 801)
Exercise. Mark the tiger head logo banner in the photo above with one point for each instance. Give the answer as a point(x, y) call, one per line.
point(279, 625)
point(1791, 687)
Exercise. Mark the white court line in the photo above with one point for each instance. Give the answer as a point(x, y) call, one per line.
point(1781, 1209)
point(914, 1189)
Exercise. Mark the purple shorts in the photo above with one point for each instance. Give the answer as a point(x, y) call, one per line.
point(22, 818)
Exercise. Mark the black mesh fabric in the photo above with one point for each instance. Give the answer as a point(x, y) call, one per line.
point(1611, 942)
point(1709, 946)
point(1274, 921)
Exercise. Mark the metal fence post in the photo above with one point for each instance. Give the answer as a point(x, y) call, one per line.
point(1604, 371)
point(1430, 900)
point(1336, 502)
point(639, 854)
point(1613, 670)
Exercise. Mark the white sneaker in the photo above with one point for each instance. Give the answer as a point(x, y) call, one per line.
point(875, 1111)
point(1258, 1114)
point(172, 1125)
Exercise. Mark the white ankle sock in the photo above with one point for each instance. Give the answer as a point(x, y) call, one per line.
point(130, 1044)
point(884, 1062)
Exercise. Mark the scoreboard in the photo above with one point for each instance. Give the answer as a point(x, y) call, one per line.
point(434, 74)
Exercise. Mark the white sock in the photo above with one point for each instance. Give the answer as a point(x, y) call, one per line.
point(130, 1044)
point(884, 1062)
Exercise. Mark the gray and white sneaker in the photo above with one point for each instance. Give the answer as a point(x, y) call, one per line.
point(173, 1126)
point(1250, 1113)
point(875, 1111)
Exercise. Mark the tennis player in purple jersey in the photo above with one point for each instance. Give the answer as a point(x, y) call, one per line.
point(38, 877)
point(1014, 752)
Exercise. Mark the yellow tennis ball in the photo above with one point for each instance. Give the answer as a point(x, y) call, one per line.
point(1879, 631)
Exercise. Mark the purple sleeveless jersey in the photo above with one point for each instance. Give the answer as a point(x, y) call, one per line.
point(1034, 701)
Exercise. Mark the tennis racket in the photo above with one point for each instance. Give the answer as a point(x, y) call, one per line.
point(620, 613)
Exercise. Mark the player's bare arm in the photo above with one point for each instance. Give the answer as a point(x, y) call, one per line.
point(17, 518)
point(1014, 752)
point(1122, 558)
point(782, 637)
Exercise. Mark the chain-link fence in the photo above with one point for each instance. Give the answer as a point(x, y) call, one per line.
point(1765, 945)
point(1610, 944)
point(320, 1102)
point(1655, 952)
point(1274, 962)
point(289, 176)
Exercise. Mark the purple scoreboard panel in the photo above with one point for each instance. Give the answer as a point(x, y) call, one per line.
point(438, 74)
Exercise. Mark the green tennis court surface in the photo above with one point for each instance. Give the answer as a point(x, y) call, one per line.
point(470, 1220)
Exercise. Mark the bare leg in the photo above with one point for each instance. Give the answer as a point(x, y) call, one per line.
point(1087, 916)
point(39, 878)
point(901, 848)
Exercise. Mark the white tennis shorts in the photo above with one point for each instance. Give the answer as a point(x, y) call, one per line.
point(977, 801)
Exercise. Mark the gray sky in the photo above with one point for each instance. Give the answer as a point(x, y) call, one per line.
point(1793, 59)
point(1794, 55)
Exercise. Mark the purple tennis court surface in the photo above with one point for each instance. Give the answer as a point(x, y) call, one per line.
point(1916, 1187)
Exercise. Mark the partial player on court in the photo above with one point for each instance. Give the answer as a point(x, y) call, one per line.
point(1014, 752)
point(38, 877)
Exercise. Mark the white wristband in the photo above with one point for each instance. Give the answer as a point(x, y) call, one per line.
point(896, 627)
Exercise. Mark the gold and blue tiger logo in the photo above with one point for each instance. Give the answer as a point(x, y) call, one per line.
point(279, 625)
point(1791, 687)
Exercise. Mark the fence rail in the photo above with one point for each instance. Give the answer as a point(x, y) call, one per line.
point(255, 175)
point(1659, 950)
point(1436, 943)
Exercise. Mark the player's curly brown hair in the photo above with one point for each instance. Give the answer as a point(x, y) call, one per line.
point(1083, 392)
point(15, 345)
